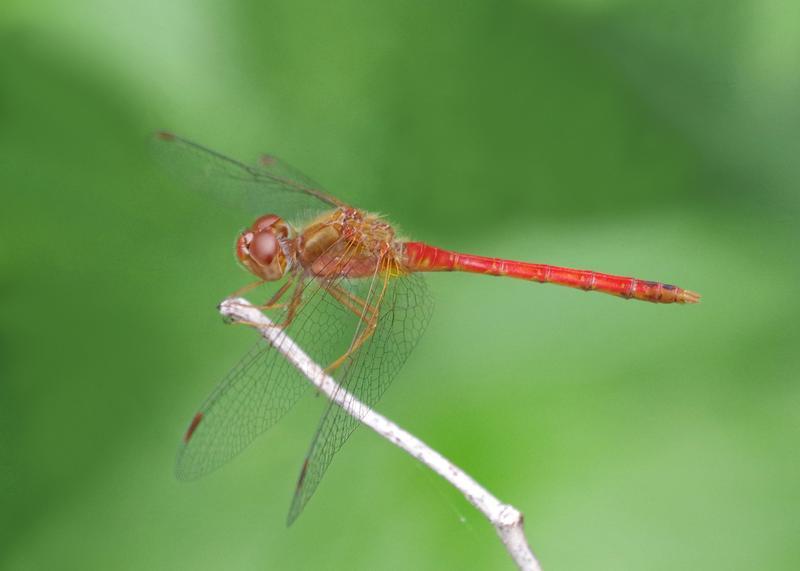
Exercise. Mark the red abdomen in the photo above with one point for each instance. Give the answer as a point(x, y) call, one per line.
point(420, 257)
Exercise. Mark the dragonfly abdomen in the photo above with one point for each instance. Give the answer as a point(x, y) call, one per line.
point(422, 257)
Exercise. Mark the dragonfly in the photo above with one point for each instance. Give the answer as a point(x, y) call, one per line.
point(347, 288)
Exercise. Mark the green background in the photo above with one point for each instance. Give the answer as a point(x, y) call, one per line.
point(655, 139)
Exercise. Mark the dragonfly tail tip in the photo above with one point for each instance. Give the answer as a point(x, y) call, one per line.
point(689, 296)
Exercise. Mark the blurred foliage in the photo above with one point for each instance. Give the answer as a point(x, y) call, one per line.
point(643, 138)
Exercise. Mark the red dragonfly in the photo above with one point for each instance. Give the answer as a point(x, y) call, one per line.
point(347, 289)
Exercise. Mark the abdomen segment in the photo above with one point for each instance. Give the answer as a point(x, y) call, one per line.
point(420, 257)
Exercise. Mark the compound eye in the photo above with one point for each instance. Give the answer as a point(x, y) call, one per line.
point(264, 248)
point(273, 223)
point(264, 222)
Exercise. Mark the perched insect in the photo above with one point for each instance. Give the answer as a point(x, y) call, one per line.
point(351, 294)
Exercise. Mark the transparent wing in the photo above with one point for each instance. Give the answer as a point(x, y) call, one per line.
point(404, 307)
point(331, 315)
point(262, 387)
point(269, 186)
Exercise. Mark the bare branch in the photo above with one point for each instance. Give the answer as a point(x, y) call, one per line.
point(506, 519)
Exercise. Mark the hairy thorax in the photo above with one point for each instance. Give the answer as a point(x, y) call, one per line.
point(347, 242)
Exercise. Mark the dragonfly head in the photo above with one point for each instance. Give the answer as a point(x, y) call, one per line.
point(263, 248)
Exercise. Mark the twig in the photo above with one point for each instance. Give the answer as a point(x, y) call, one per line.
point(506, 519)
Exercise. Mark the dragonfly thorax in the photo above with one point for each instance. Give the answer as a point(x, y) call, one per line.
point(346, 242)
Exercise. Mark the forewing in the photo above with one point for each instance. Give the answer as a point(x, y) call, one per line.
point(270, 186)
point(405, 307)
point(263, 386)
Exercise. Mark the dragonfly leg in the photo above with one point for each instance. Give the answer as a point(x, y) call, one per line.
point(244, 289)
point(272, 303)
point(294, 303)
point(351, 301)
point(292, 306)
point(367, 312)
